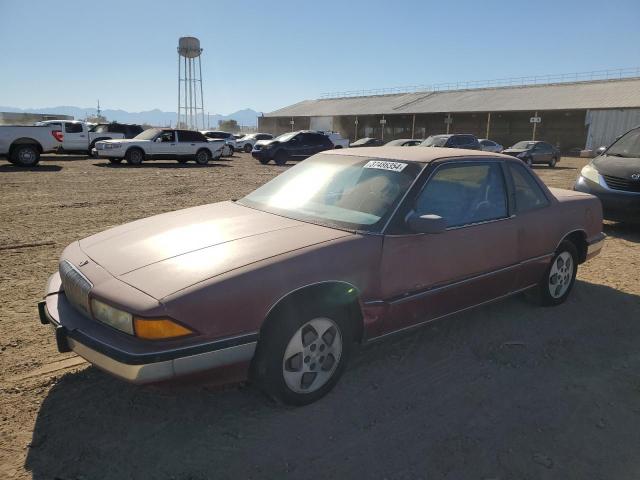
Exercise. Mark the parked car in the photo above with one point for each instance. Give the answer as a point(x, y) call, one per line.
point(348, 246)
point(246, 142)
point(337, 140)
point(22, 145)
point(614, 177)
point(530, 152)
point(366, 142)
point(226, 136)
point(403, 142)
point(487, 145)
point(160, 144)
point(222, 145)
point(452, 140)
point(80, 137)
point(291, 146)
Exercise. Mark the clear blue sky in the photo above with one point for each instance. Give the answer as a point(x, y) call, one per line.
point(265, 55)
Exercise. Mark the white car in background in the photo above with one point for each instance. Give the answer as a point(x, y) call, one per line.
point(78, 136)
point(246, 142)
point(490, 146)
point(226, 136)
point(337, 140)
point(160, 144)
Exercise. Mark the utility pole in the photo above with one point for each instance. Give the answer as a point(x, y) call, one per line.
point(98, 109)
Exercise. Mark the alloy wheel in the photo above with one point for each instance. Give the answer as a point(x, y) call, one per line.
point(560, 275)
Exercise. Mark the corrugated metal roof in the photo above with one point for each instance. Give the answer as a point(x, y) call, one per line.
point(565, 96)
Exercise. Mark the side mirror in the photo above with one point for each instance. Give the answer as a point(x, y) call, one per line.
point(601, 150)
point(429, 223)
point(158, 140)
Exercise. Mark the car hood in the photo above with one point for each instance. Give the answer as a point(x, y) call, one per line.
point(163, 254)
point(617, 166)
point(514, 151)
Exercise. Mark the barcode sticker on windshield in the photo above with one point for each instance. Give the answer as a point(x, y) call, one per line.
point(382, 165)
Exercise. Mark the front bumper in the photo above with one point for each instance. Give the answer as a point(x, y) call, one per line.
point(617, 205)
point(148, 366)
point(261, 154)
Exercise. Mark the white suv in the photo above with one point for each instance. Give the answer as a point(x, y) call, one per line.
point(246, 142)
point(160, 143)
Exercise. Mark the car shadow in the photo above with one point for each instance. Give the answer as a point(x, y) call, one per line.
point(9, 168)
point(547, 167)
point(508, 390)
point(156, 164)
point(626, 231)
point(66, 157)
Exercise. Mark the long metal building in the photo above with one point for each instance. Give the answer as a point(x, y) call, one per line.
point(573, 115)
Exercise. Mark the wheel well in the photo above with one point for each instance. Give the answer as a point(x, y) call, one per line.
point(134, 148)
point(338, 146)
point(579, 240)
point(25, 141)
point(333, 294)
point(93, 142)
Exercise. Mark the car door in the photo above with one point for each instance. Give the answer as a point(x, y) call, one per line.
point(539, 153)
point(165, 145)
point(297, 146)
point(531, 218)
point(426, 276)
point(75, 137)
point(188, 143)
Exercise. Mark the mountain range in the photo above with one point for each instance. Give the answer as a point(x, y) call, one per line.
point(154, 117)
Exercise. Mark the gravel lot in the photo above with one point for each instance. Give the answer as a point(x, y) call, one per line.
point(507, 391)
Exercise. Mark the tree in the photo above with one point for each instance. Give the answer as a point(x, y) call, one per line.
point(97, 119)
point(229, 126)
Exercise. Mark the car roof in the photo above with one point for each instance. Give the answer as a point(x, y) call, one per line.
point(417, 154)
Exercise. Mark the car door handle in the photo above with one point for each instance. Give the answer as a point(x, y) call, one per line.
point(193, 144)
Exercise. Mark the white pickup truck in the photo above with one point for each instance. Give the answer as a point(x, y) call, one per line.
point(77, 135)
point(160, 144)
point(22, 145)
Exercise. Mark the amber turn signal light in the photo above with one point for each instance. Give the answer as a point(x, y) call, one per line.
point(159, 328)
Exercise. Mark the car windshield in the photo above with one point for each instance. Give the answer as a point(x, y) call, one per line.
point(286, 136)
point(148, 134)
point(435, 141)
point(626, 146)
point(343, 191)
point(523, 145)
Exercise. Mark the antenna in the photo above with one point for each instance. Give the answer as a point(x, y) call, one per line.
point(190, 104)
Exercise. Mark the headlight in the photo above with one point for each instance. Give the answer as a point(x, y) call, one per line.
point(112, 145)
point(590, 173)
point(113, 317)
point(149, 328)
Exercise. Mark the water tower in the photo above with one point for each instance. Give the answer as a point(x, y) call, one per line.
point(190, 100)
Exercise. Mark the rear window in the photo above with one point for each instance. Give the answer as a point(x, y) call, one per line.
point(73, 127)
point(529, 195)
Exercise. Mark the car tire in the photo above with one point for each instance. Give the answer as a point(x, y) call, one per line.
point(529, 162)
point(25, 155)
point(302, 352)
point(281, 157)
point(553, 162)
point(134, 156)
point(202, 156)
point(264, 161)
point(560, 276)
point(115, 160)
point(247, 148)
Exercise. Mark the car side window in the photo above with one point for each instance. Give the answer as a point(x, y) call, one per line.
point(464, 194)
point(529, 195)
point(169, 136)
point(73, 127)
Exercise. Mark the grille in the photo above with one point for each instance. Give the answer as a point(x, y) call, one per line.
point(76, 286)
point(619, 183)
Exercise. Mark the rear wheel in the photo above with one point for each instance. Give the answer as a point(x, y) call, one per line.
point(281, 157)
point(25, 155)
point(202, 157)
point(558, 280)
point(247, 148)
point(134, 156)
point(553, 162)
point(303, 352)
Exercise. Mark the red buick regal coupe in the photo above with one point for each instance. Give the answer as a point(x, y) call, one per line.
point(348, 246)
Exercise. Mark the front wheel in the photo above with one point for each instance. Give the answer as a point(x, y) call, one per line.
point(281, 157)
point(558, 280)
point(135, 156)
point(202, 157)
point(529, 162)
point(303, 352)
point(247, 148)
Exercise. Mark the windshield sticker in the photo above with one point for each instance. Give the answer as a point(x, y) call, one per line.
point(382, 165)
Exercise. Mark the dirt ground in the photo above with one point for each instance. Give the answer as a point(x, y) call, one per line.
point(507, 391)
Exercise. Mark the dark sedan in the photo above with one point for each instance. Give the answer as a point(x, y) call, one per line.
point(614, 177)
point(531, 151)
point(366, 142)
